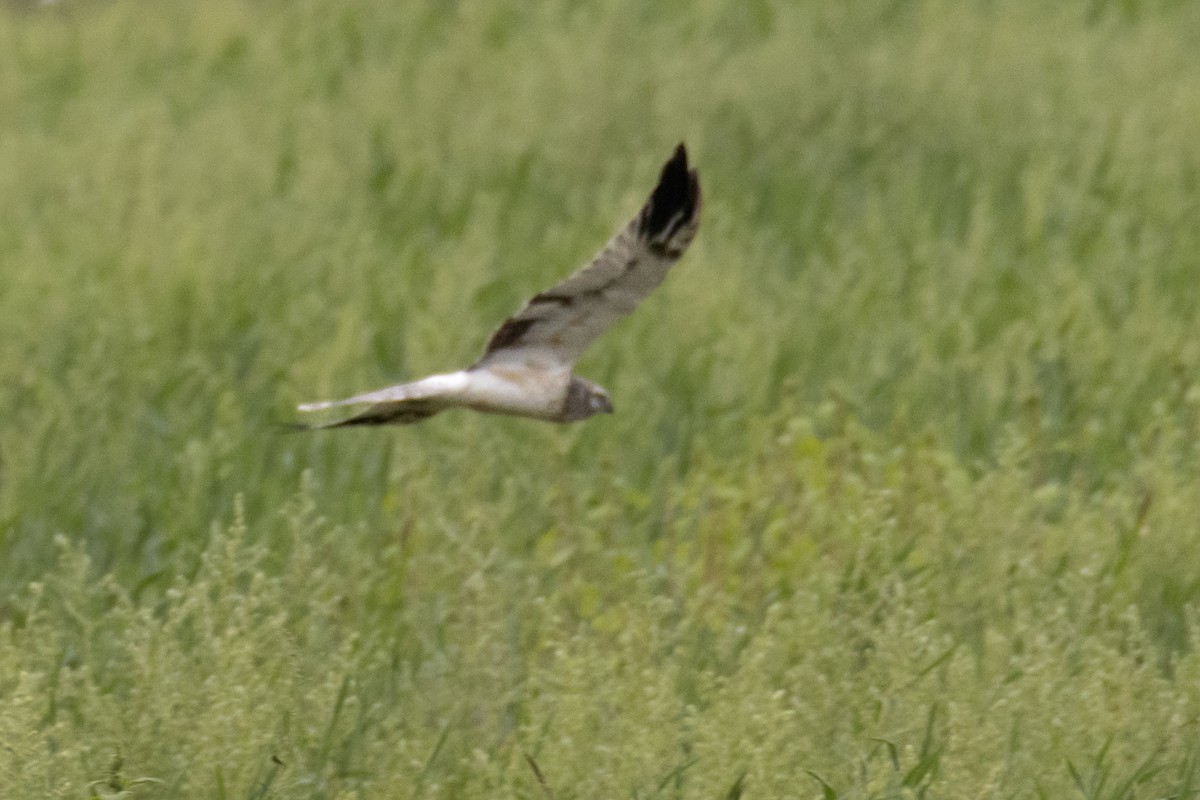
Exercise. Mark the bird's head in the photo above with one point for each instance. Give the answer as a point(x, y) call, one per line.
point(584, 399)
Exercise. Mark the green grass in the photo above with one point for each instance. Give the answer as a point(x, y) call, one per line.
point(901, 498)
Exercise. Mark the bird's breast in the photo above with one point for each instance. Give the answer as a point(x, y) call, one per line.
point(518, 390)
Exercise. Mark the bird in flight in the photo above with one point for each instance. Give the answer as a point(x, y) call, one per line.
point(526, 369)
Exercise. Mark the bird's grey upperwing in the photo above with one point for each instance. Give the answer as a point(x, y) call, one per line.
point(560, 323)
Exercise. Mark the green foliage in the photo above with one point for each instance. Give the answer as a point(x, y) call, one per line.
point(900, 498)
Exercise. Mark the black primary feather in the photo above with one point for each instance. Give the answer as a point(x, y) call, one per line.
point(674, 200)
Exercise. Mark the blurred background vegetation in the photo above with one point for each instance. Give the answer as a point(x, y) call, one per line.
point(901, 494)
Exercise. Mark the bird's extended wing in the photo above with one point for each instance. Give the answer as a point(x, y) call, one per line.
point(397, 405)
point(561, 322)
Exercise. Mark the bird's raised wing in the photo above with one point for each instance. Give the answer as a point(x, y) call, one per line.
point(560, 323)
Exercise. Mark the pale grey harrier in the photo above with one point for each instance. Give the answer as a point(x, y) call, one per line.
point(526, 368)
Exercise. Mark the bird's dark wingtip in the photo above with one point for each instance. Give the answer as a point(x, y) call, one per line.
point(676, 198)
point(287, 426)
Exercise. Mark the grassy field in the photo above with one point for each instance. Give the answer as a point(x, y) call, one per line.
point(902, 494)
